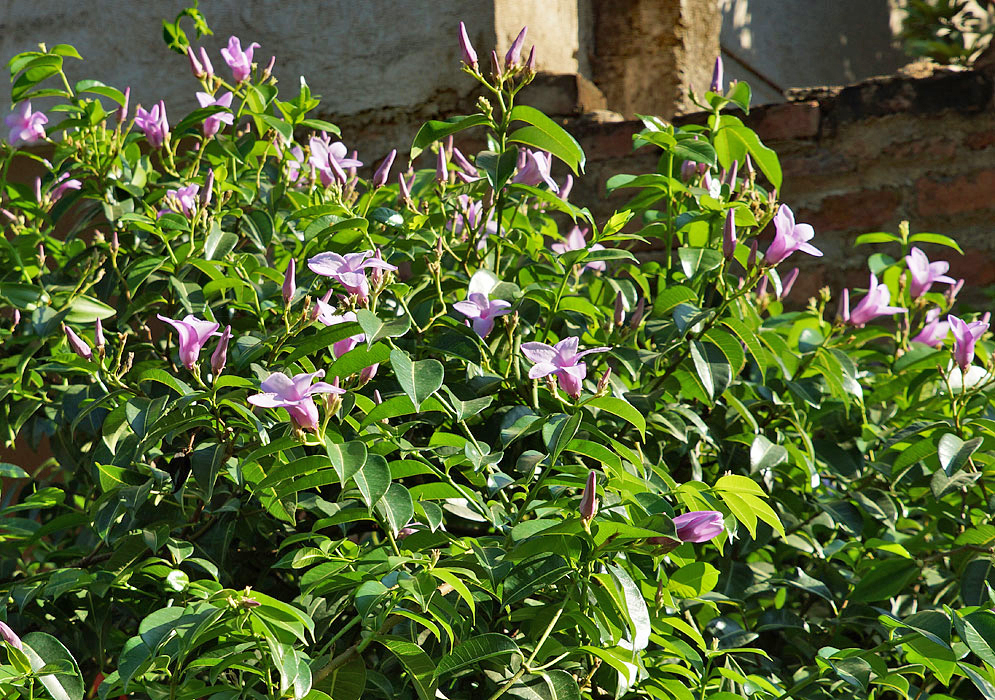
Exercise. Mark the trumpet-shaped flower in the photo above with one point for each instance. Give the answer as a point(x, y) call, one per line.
point(25, 126)
point(62, 185)
point(874, 304)
point(330, 160)
point(577, 240)
point(533, 169)
point(182, 201)
point(194, 334)
point(239, 60)
point(294, 394)
point(479, 307)
point(326, 315)
point(212, 124)
point(349, 270)
point(561, 360)
point(924, 273)
point(153, 123)
point(789, 237)
point(935, 331)
point(965, 336)
point(699, 525)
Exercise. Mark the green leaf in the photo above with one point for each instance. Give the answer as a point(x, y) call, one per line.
point(86, 310)
point(219, 242)
point(498, 167)
point(45, 650)
point(347, 682)
point(695, 151)
point(979, 634)
point(547, 135)
point(886, 579)
point(697, 261)
point(623, 409)
point(396, 505)
point(418, 379)
point(474, 650)
point(346, 458)
point(954, 452)
point(373, 479)
point(937, 238)
point(693, 580)
point(434, 130)
point(416, 662)
point(765, 455)
point(635, 604)
point(375, 329)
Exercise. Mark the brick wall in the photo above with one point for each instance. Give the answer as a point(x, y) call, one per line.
point(858, 159)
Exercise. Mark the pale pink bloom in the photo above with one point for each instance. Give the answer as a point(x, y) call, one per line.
point(238, 60)
point(182, 201)
point(533, 169)
point(875, 303)
point(935, 331)
point(194, 334)
point(349, 270)
point(699, 525)
point(330, 159)
point(577, 240)
point(562, 360)
point(965, 337)
point(153, 123)
point(212, 124)
point(327, 316)
point(25, 126)
point(789, 237)
point(62, 185)
point(923, 273)
point(294, 394)
point(479, 307)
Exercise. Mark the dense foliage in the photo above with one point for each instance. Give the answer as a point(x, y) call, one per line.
point(446, 436)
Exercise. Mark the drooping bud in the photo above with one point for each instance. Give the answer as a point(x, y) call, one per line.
point(717, 80)
point(205, 61)
point(207, 192)
point(619, 316)
point(788, 282)
point(220, 355)
point(441, 170)
point(514, 54)
point(122, 112)
point(729, 235)
point(469, 55)
point(589, 499)
point(383, 171)
point(195, 66)
point(290, 282)
point(78, 345)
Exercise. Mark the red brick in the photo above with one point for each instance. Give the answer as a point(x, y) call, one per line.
point(823, 162)
point(975, 266)
point(793, 120)
point(920, 148)
point(980, 139)
point(865, 210)
point(954, 195)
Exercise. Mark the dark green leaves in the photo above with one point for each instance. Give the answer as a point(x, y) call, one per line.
point(433, 131)
point(546, 135)
point(419, 379)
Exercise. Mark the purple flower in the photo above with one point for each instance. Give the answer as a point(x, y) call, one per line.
point(238, 60)
point(965, 336)
point(195, 66)
point(514, 54)
point(78, 345)
point(935, 331)
point(153, 123)
point(923, 273)
point(349, 270)
point(295, 163)
point(280, 391)
point(562, 360)
point(194, 333)
point(441, 169)
point(382, 174)
point(589, 499)
point(699, 525)
point(7, 635)
point(208, 191)
point(717, 81)
point(469, 55)
point(327, 316)
point(874, 304)
point(290, 282)
point(181, 201)
point(122, 111)
point(788, 282)
point(330, 160)
point(212, 124)
point(479, 307)
point(62, 185)
point(789, 237)
point(205, 61)
point(577, 240)
point(98, 335)
point(729, 235)
point(533, 168)
point(219, 358)
point(25, 126)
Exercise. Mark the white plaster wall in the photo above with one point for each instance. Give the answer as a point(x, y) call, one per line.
point(802, 43)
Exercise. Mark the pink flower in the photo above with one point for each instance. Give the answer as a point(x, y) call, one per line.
point(699, 525)
point(479, 307)
point(238, 60)
point(295, 162)
point(577, 240)
point(219, 358)
point(181, 201)
point(469, 55)
point(965, 336)
point(935, 331)
point(923, 273)
point(25, 126)
point(78, 345)
point(561, 360)
point(330, 160)
point(349, 270)
point(212, 124)
point(327, 316)
point(789, 237)
point(153, 124)
point(194, 333)
point(62, 185)
point(533, 169)
point(469, 218)
point(280, 391)
point(382, 174)
point(8, 635)
point(589, 499)
point(515, 50)
point(874, 304)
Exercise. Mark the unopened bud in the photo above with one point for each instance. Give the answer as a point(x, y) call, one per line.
point(207, 192)
point(530, 64)
point(788, 282)
point(589, 499)
point(333, 401)
point(514, 54)
point(8, 635)
point(38, 190)
point(731, 176)
point(637, 315)
point(98, 337)
point(268, 70)
point(729, 235)
point(844, 309)
point(220, 355)
point(751, 261)
point(195, 66)
point(383, 171)
point(441, 171)
point(368, 373)
point(290, 282)
point(565, 188)
point(603, 382)
point(717, 77)
point(619, 316)
point(205, 61)
point(17, 319)
point(495, 65)
point(122, 112)
point(115, 243)
point(405, 190)
point(469, 55)
point(78, 345)
point(377, 274)
point(41, 255)
point(317, 307)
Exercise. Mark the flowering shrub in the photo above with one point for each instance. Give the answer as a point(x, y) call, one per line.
point(446, 436)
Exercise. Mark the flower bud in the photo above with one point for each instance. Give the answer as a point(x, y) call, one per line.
point(731, 176)
point(589, 499)
point(195, 66)
point(565, 188)
point(495, 65)
point(207, 192)
point(38, 190)
point(220, 355)
point(762, 289)
point(78, 345)
point(316, 311)
point(637, 315)
point(122, 112)
point(514, 54)
point(751, 262)
point(530, 64)
point(205, 61)
point(844, 308)
point(115, 243)
point(290, 282)
point(619, 316)
point(17, 319)
point(441, 171)
point(383, 171)
point(689, 169)
point(333, 400)
point(729, 235)
point(8, 635)
point(717, 81)
point(98, 337)
point(788, 282)
point(603, 382)
point(469, 55)
point(268, 70)
point(41, 255)
point(368, 373)
point(405, 190)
